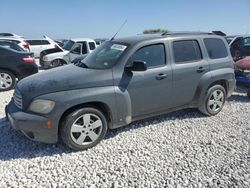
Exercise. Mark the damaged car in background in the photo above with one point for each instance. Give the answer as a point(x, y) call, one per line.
point(72, 49)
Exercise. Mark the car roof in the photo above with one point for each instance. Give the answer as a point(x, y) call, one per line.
point(82, 39)
point(35, 39)
point(7, 38)
point(146, 37)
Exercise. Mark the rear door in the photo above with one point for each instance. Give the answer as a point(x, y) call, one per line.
point(188, 68)
point(75, 51)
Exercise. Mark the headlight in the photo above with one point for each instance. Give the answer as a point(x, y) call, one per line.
point(42, 106)
point(45, 58)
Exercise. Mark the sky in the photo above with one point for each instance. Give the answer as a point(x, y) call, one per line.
point(102, 18)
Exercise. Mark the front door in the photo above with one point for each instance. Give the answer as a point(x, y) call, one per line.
point(150, 90)
point(75, 51)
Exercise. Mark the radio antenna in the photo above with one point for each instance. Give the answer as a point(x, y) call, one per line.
point(119, 30)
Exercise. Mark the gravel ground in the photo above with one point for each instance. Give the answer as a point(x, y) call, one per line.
point(181, 149)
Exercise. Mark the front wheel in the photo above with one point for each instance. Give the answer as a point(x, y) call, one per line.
point(83, 128)
point(7, 80)
point(213, 101)
point(56, 63)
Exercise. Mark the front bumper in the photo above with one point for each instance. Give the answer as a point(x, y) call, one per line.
point(45, 64)
point(33, 126)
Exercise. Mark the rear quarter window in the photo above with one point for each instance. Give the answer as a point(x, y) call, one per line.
point(35, 42)
point(216, 48)
point(45, 42)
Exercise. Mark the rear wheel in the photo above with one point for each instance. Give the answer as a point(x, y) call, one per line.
point(7, 80)
point(213, 101)
point(83, 128)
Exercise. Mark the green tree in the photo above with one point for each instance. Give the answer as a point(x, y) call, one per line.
point(152, 31)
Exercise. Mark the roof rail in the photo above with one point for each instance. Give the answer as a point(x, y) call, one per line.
point(186, 33)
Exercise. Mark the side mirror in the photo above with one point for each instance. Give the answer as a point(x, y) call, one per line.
point(137, 66)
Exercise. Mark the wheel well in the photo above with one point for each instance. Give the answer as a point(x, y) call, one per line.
point(98, 105)
point(62, 60)
point(13, 72)
point(223, 83)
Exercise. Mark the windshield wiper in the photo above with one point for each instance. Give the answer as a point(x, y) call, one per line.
point(81, 64)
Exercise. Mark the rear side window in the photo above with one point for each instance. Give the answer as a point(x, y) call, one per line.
point(153, 55)
point(45, 42)
point(186, 51)
point(35, 42)
point(91, 45)
point(216, 48)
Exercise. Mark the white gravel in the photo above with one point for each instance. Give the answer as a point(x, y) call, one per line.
point(181, 149)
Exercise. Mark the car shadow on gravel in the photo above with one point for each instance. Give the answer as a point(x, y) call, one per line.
point(14, 145)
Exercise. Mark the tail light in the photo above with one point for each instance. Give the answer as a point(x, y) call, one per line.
point(29, 59)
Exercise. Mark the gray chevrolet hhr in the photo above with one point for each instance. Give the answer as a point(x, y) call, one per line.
point(123, 80)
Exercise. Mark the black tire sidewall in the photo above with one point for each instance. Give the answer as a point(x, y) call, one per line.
point(209, 92)
point(13, 77)
point(70, 119)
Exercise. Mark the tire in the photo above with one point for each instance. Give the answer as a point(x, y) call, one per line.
point(214, 100)
point(56, 63)
point(248, 93)
point(80, 135)
point(7, 80)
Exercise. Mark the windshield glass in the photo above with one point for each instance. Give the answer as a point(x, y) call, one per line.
point(68, 45)
point(105, 56)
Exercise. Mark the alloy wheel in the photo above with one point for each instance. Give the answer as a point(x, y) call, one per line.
point(5, 81)
point(216, 101)
point(86, 129)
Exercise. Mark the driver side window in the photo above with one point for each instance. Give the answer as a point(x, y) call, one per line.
point(153, 55)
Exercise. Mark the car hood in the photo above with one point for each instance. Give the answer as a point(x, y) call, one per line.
point(57, 54)
point(68, 77)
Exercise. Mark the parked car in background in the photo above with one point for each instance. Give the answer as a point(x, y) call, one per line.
point(61, 42)
point(121, 81)
point(19, 41)
point(64, 55)
point(10, 35)
point(239, 46)
point(15, 65)
point(38, 45)
point(100, 41)
point(11, 45)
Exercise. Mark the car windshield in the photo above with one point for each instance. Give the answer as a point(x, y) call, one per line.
point(104, 57)
point(68, 45)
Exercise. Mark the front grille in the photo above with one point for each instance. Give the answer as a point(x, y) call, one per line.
point(18, 99)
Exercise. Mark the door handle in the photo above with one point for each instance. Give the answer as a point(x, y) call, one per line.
point(200, 70)
point(161, 76)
